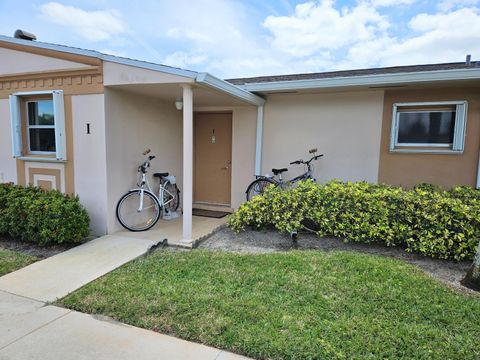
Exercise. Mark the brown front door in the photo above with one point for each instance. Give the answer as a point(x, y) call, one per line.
point(213, 157)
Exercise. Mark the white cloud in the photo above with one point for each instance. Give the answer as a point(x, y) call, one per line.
point(320, 26)
point(96, 25)
point(386, 3)
point(183, 59)
point(440, 38)
point(447, 5)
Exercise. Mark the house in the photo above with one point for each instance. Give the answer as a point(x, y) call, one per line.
point(78, 121)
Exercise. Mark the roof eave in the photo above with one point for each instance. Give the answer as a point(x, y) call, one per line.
point(365, 80)
point(228, 88)
point(105, 57)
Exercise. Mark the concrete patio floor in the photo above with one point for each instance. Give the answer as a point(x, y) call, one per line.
point(172, 231)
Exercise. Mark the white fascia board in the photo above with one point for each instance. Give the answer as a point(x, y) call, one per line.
point(366, 80)
point(230, 89)
point(101, 56)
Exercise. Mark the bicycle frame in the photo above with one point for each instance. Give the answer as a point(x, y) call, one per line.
point(304, 176)
point(144, 185)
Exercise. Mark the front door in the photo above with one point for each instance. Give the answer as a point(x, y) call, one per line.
point(213, 158)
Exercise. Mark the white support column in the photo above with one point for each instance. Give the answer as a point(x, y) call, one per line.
point(259, 141)
point(187, 162)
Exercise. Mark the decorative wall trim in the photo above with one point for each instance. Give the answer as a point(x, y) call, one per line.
point(55, 173)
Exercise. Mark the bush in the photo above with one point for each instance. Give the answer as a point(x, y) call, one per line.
point(426, 219)
point(43, 217)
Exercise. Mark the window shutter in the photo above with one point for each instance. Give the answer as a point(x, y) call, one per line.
point(393, 130)
point(460, 126)
point(59, 114)
point(16, 126)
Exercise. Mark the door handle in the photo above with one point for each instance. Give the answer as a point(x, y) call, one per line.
point(227, 166)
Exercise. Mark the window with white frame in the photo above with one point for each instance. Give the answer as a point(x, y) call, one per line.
point(41, 129)
point(40, 124)
point(429, 127)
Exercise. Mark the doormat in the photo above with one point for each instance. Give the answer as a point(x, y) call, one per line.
point(209, 213)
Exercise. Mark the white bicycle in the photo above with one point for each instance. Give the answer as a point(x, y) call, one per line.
point(140, 208)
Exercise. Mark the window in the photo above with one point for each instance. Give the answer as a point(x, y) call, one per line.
point(42, 129)
point(41, 126)
point(428, 127)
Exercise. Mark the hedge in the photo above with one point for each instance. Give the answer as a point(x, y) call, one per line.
point(43, 217)
point(426, 220)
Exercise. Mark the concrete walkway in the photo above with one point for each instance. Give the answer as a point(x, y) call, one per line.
point(30, 328)
point(59, 275)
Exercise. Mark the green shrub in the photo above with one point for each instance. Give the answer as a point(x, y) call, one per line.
point(43, 217)
point(425, 219)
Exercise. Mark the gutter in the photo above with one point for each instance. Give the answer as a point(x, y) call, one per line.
point(365, 80)
point(230, 89)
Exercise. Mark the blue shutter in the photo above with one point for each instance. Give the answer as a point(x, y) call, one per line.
point(16, 126)
point(59, 114)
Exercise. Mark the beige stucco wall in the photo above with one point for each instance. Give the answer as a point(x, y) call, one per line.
point(89, 158)
point(243, 151)
point(134, 123)
point(8, 168)
point(119, 74)
point(17, 62)
point(346, 127)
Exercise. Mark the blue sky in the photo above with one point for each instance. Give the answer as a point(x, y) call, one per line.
point(231, 38)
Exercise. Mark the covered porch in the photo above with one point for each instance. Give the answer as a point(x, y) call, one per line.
point(173, 115)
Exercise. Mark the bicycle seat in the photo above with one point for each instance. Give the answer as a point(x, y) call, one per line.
point(279, 171)
point(160, 175)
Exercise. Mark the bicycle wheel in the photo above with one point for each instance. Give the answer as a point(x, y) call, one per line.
point(135, 217)
point(310, 225)
point(171, 197)
point(257, 187)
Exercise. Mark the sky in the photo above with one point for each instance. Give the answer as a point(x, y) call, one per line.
point(231, 38)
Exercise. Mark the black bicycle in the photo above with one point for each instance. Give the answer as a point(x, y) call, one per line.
point(258, 186)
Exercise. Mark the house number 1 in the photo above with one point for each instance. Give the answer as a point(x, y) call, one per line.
point(214, 139)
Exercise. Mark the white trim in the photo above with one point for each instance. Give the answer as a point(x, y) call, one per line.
point(41, 159)
point(228, 88)
point(427, 151)
point(259, 140)
point(101, 56)
point(33, 93)
point(366, 80)
point(41, 177)
point(431, 103)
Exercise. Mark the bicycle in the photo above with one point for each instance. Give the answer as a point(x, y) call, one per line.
point(258, 186)
point(140, 208)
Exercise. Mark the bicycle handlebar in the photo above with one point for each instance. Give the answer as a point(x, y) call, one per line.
point(298, 162)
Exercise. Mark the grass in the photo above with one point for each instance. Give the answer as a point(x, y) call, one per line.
point(13, 260)
point(295, 305)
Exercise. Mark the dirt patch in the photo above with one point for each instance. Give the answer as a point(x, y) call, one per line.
point(250, 241)
point(40, 252)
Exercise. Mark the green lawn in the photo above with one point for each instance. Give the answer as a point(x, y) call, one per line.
point(13, 260)
point(295, 305)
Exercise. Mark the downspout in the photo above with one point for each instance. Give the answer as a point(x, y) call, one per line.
point(259, 140)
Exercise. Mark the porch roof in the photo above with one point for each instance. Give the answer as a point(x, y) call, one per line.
point(204, 79)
